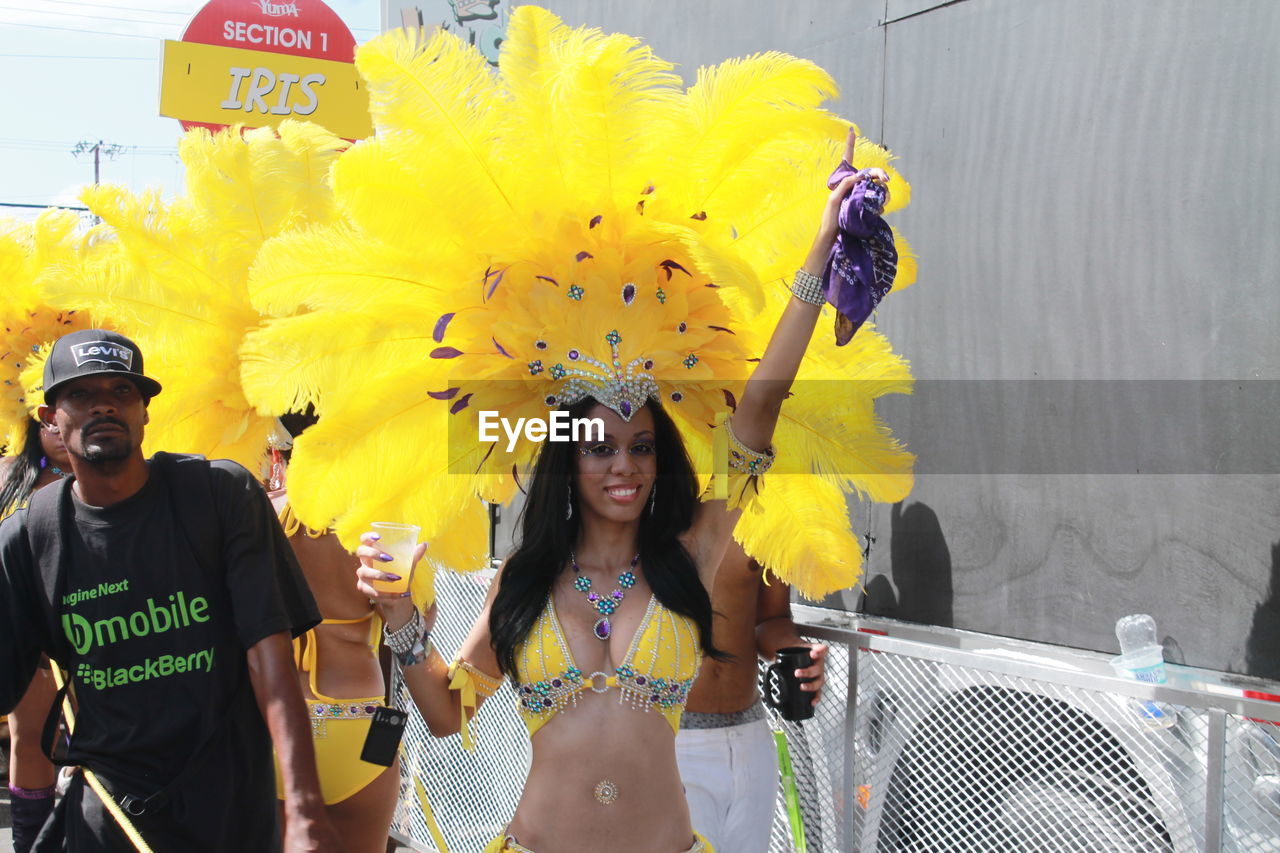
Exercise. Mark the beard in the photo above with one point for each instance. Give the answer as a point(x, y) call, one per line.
point(97, 453)
point(114, 449)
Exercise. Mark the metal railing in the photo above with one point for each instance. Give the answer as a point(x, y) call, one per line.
point(932, 739)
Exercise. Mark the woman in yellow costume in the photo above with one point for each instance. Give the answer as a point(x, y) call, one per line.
point(34, 459)
point(601, 554)
point(577, 234)
point(341, 676)
point(175, 274)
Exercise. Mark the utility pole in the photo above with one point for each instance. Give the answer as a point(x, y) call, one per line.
point(98, 148)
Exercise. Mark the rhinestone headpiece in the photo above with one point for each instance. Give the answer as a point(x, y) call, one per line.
point(623, 388)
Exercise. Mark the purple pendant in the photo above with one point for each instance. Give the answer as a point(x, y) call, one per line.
point(603, 629)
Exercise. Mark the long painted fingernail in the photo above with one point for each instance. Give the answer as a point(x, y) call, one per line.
point(375, 536)
point(406, 593)
point(386, 558)
point(387, 576)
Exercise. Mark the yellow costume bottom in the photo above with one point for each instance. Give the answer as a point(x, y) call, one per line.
point(339, 738)
point(507, 844)
point(338, 726)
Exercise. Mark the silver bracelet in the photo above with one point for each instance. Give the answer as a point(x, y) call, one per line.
point(807, 287)
point(403, 638)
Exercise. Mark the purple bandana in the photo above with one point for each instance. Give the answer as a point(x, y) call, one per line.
point(863, 261)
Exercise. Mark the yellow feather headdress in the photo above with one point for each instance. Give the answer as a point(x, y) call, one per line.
point(574, 223)
point(34, 256)
point(174, 275)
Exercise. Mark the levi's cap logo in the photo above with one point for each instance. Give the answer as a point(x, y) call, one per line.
point(106, 352)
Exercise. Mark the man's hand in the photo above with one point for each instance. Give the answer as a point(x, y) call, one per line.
point(776, 630)
point(275, 686)
point(817, 671)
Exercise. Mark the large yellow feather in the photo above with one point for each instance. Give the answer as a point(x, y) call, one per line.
point(501, 224)
point(174, 275)
point(809, 542)
point(31, 254)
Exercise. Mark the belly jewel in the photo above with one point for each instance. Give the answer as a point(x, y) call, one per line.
point(606, 792)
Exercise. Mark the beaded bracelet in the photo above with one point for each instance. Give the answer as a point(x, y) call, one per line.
point(745, 460)
point(807, 287)
point(402, 639)
point(411, 642)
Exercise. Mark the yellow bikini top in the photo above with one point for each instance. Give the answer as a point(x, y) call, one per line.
point(657, 673)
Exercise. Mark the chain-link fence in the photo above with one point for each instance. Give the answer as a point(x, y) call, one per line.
point(472, 795)
point(935, 740)
point(952, 741)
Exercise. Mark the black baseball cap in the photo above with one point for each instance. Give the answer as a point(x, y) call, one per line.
point(94, 352)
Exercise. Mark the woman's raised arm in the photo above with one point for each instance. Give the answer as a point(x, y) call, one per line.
point(756, 415)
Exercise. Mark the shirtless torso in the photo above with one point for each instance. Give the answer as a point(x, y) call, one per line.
point(740, 600)
point(725, 749)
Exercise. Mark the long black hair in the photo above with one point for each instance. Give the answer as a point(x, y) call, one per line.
point(547, 538)
point(24, 471)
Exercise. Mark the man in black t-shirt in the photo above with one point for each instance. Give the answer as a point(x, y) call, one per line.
point(171, 602)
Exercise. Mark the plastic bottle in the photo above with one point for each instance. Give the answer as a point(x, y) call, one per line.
point(1140, 653)
point(1142, 658)
point(1136, 631)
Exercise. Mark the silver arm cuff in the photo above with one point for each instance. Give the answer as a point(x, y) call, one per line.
point(807, 287)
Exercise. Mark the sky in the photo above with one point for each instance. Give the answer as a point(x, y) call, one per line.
point(88, 70)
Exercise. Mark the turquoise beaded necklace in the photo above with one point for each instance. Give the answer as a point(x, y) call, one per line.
point(44, 463)
point(605, 605)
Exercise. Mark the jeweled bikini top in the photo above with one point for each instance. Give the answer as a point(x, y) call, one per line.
point(657, 673)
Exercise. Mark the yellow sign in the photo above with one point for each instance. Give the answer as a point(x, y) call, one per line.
point(230, 85)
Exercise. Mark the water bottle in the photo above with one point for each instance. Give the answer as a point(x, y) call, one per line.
point(1142, 658)
point(1136, 631)
point(1140, 652)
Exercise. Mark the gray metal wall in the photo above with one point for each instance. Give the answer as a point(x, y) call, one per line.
point(1095, 190)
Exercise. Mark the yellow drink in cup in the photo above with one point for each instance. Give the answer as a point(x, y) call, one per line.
point(399, 542)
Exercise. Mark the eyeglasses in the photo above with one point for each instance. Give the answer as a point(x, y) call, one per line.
point(604, 450)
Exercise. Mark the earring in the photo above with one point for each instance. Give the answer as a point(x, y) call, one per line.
point(276, 479)
point(568, 511)
point(653, 496)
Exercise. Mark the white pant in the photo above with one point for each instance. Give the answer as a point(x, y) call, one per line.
point(731, 782)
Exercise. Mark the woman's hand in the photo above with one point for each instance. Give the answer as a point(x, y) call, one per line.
point(817, 259)
point(395, 608)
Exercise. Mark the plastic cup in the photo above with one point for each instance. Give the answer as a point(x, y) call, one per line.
point(398, 541)
point(1145, 664)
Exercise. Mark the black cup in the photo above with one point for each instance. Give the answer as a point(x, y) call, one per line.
point(781, 687)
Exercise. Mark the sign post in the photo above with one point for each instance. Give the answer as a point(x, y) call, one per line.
point(258, 63)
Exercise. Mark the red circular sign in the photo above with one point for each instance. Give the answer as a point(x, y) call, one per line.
point(294, 27)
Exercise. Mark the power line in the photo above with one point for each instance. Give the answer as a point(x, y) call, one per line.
point(99, 17)
point(66, 56)
point(121, 8)
point(42, 206)
point(75, 30)
point(127, 35)
point(57, 145)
